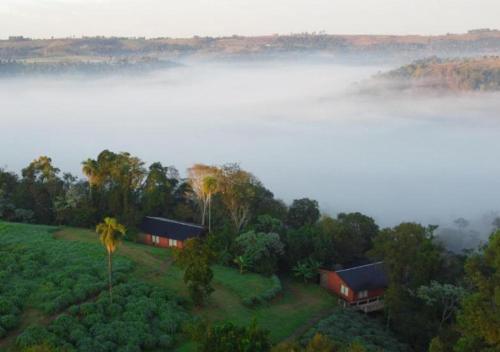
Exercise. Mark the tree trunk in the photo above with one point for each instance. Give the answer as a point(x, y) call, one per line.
point(209, 214)
point(109, 277)
point(204, 210)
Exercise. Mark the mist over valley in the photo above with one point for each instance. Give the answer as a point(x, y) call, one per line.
point(302, 127)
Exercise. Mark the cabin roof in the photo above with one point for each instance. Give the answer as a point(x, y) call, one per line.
point(365, 277)
point(169, 228)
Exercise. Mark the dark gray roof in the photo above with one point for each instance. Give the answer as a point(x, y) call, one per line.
point(365, 277)
point(173, 229)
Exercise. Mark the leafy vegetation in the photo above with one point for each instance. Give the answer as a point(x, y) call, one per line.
point(140, 318)
point(346, 326)
point(227, 337)
point(9, 68)
point(38, 271)
point(196, 258)
point(471, 74)
point(433, 297)
point(265, 296)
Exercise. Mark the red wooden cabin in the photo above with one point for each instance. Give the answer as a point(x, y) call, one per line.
point(166, 233)
point(361, 287)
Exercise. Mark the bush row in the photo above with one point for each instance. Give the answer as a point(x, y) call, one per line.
point(265, 296)
point(346, 326)
point(140, 318)
point(50, 274)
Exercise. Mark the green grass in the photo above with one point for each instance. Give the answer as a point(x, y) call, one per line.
point(298, 308)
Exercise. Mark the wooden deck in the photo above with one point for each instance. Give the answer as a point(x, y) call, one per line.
point(366, 305)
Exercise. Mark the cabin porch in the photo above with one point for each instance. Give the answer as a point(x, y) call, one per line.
point(367, 305)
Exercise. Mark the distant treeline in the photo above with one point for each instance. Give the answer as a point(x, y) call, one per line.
point(470, 74)
point(21, 68)
point(479, 42)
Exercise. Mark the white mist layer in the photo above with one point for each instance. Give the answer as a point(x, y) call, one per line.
point(299, 127)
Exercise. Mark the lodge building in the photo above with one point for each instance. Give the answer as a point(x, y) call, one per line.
point(359, 287)
point(162, 232)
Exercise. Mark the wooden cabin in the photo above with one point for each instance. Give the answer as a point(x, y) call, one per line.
point(360, 287)
point(167, 233)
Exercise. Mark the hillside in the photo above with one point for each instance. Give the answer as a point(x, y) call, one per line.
point(95, 48)
point(472, 74)
point(53, 283)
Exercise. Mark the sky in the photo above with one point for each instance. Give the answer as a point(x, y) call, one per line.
point(185, 18)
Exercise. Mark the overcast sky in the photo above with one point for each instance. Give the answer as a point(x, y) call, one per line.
point(182, 18)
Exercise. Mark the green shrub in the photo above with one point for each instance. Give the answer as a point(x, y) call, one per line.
point(346, 327)
point(266, 295)
point(34, 335)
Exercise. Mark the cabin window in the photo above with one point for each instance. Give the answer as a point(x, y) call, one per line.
point(363, 294)
point(344, 290)
point(172, 243)
point(155, 239)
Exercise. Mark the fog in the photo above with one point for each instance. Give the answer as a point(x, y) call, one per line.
point(301, 128)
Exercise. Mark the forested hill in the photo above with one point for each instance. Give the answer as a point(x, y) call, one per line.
point(476, 42)
point(471, 74)
point(9, 68)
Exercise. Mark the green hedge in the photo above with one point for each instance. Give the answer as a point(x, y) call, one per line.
point(345, 326)
point(141, 318)
point(265, 296)
point(49, 274)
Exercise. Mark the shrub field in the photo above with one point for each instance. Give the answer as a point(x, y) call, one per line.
point(345, 326)
point(66, 281)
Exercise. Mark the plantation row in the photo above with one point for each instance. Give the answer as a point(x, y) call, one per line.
point(140, 318)
point(66, 282)
point(346, 327)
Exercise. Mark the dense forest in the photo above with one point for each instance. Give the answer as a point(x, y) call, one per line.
point(471, 74)
point(15, 68)
point(436, 300)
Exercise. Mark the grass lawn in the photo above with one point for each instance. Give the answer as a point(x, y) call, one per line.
point(290, 314)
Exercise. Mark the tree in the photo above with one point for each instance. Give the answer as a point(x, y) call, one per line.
point(266, 223)
point(158, 197)
point(445, 298)
point(412, 259)
point(196, 258)
point(479, 316)
point(461, 223)
point(117, 178)
point(243, 262)
point(496, 223)
point(110, 233)
point(238, 189)
point(320, 343)
point(90, 169)
point(203, 182)
point(227, 337)
point(209, 188)
point(303, 212)
point(41, 185)
point(307, 269)
point(261, 249)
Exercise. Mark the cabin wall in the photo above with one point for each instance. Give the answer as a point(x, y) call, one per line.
point(376, 293)
point(146, 239)
point(332, 282)
point(164, 241)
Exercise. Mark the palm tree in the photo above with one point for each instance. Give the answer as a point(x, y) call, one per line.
point(197, 175)
point(90, 169)
point(209, 188)
point(110, 233)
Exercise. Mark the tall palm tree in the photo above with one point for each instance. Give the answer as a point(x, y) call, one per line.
point(196, 176)
point(110, 233)
point(209, 188)
point(90, 169)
